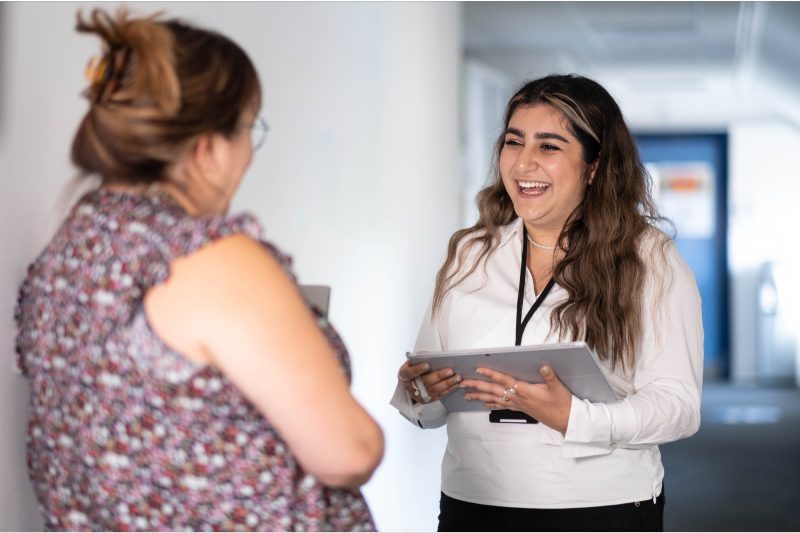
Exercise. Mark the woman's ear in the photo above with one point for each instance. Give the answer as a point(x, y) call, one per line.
point(204, 158)
point(209, 156)
point(593, 169)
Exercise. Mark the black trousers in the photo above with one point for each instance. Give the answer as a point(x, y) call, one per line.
point(457, 515)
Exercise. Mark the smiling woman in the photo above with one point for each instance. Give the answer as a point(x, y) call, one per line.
point(597, 200)
point(569, 182)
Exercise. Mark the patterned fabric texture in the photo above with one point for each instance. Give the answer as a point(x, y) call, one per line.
point(126, 434)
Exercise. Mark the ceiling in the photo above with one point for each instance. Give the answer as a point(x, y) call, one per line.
point(630, 33)
point(679, 64)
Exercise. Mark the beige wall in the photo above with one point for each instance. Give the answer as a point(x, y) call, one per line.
point(358, 181)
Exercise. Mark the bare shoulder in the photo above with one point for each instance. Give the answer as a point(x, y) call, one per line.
point(228, 282)
point(231, 270)
point(234, 254)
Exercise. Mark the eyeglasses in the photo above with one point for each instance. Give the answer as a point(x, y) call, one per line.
point(258, 133)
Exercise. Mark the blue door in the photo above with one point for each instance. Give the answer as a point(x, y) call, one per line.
point(690, 176)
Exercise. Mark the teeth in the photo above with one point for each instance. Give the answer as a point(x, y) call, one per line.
point(529, 184)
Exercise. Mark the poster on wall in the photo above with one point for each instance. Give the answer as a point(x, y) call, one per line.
point(685, 193)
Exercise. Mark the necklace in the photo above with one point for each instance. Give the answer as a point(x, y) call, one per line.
point(540, 246)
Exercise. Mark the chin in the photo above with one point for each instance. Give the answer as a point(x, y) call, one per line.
point(528, 214)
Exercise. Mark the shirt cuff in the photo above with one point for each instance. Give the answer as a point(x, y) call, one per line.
point(551, 436)
point(588, 430)
point(428, 411)
point(624, 427)
point(419, 411)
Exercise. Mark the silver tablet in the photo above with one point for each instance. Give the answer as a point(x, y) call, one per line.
point(572, 362)
point(318, 297)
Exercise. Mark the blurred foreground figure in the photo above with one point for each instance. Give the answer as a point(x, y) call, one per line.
point(178, 380)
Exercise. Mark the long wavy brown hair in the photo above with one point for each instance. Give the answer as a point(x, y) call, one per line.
point(603, 270)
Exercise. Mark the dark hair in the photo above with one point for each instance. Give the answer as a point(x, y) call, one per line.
point(602, 271)
point(158, 88)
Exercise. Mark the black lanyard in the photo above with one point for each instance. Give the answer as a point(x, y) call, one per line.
point(507, 415)
point(521, 324)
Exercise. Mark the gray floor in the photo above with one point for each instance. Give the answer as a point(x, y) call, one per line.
point(741, 471)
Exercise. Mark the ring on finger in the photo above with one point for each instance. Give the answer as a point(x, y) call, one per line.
point(401, 378)
point(416, 389)
point(514, 389)
point(504, 395)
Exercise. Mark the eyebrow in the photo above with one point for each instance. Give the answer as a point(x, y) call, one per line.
point(539, 135)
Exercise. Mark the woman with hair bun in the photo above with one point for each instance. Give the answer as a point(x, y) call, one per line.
point(567, 228)
point(178, 380)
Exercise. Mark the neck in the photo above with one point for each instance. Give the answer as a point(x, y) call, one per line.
point(195, 194)
point(189, 204)
point(543, 235)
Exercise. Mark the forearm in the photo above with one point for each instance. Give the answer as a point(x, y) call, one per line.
point(357, 459)
point(662, 412)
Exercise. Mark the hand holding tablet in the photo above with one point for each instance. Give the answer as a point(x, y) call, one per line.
point(548, 402)
point(424, 385)
point(573, 363)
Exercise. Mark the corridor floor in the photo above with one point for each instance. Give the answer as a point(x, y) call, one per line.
point(741, 471)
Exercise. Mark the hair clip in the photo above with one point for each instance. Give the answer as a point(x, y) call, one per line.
point(105, 73)
point(95, 69)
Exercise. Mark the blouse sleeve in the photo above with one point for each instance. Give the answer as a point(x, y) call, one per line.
point(426, 416)
point(665, 402)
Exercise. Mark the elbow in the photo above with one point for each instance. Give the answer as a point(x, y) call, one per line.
point(694, 425)
point(357, 466)
point(690, 423)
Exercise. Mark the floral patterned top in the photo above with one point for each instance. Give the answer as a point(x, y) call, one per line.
point(126, 434)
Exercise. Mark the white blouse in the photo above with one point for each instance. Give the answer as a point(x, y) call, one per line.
point(609, 454)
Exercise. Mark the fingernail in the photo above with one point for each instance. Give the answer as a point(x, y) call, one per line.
point(448, 373)
point(546, 370)
point(479, 371)
point(461, 386)
point(457, 379)
point(467, 397)
point(426, 367)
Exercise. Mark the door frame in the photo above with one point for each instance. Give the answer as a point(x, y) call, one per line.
point(721, 270)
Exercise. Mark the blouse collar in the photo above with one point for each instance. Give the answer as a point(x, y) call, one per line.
point(509, 230)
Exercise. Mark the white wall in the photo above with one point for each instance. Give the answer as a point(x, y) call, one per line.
point(763, 191)
point(358, 181)
point(486, 93)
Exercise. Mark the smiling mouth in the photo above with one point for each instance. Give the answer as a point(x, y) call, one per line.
point(532, 188)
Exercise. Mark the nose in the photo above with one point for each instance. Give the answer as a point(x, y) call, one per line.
point(527, 161)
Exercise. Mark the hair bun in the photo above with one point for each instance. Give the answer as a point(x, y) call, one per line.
point(138, 63)
point(158, 87)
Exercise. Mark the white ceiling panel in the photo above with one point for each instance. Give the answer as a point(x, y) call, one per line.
point(671, 64)
point(606, 32)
